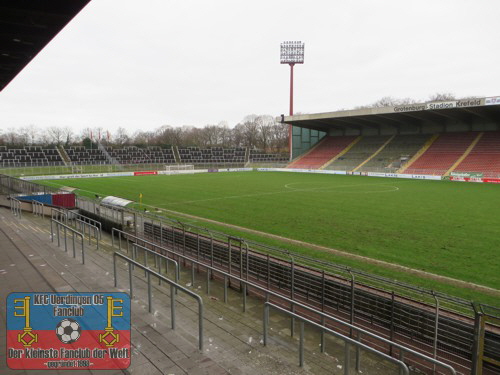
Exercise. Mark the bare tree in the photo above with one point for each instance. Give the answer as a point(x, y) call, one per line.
point(280, 137)
point(68, 135)
point(35, 134)
point(144, 138)
point(388, 101)
point(56, 134)
point(250, 131)
point(121, 137)
point(226, 134)
point(11, 137)
point(212, 135)
point(169, 135)
point(441, 96)
point(24, 136)
point(238, 136)
point(265, 127)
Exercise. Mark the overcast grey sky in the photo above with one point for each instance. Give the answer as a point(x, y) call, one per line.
point(143, 64)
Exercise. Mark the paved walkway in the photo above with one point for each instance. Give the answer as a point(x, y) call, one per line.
point(29, 261)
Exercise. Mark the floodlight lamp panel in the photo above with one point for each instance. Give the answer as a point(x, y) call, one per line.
point(292, 52)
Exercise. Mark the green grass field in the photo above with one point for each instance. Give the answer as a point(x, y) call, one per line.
point(447, 228)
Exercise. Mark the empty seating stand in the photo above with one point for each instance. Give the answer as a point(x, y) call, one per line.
point(156, 154)
point(328, 148)
point(7, 157)
point(53, 156)
point(484, 157)
point(79, 155)
point(136, 155)
point(213, 155)
point(401, 148)
point(29, 156)
point(257, 156)
point(442, 154)
point(360, 152)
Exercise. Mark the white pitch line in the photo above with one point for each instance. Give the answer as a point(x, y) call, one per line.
point(291, 190)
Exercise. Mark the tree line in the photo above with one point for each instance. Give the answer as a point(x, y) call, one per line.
point(261, 132)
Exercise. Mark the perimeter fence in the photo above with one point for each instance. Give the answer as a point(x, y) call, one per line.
point(27, 169)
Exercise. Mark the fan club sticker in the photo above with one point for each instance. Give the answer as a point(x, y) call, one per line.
point(68, 331)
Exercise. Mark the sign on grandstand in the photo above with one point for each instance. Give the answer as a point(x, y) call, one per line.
point(439, 105)
point(492, 101)
point(467, 174)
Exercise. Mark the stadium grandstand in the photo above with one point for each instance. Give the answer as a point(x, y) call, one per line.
point(455, 137)
point(78, 155)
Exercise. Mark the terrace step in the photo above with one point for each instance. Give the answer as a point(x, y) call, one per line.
point(176, 154)
point(424, 148)
point(375, 153)
point(343, 152)
point(465, 154)
point(64, 156)
point(111, 159)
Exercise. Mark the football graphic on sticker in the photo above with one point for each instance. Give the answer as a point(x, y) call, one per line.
point(68, 331)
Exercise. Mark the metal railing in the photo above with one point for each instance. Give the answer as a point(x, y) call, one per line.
point(15, 207)
point(158, 260)
point(211, 270)
point(85, 224)
point(173, 287)
point(347, 340)
point(91, 229)
point(77, 216)
point(360, 332)
point(484, 318)
point(65, 228)
point(55, 213)
point(38, 208)
point(245, 283)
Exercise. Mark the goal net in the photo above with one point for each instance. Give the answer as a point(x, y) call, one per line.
point(179, 169)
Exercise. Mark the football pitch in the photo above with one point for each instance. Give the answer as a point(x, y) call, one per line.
point(445, 228)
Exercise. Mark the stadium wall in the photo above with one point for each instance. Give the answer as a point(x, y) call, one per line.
point(304, 139)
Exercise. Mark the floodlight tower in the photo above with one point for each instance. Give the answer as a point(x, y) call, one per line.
point(291, 53)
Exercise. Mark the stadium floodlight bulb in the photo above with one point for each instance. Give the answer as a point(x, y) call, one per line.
point(292, 52)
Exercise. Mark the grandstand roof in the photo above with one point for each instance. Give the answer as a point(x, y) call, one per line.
point(26, 27)
point(414, 115)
